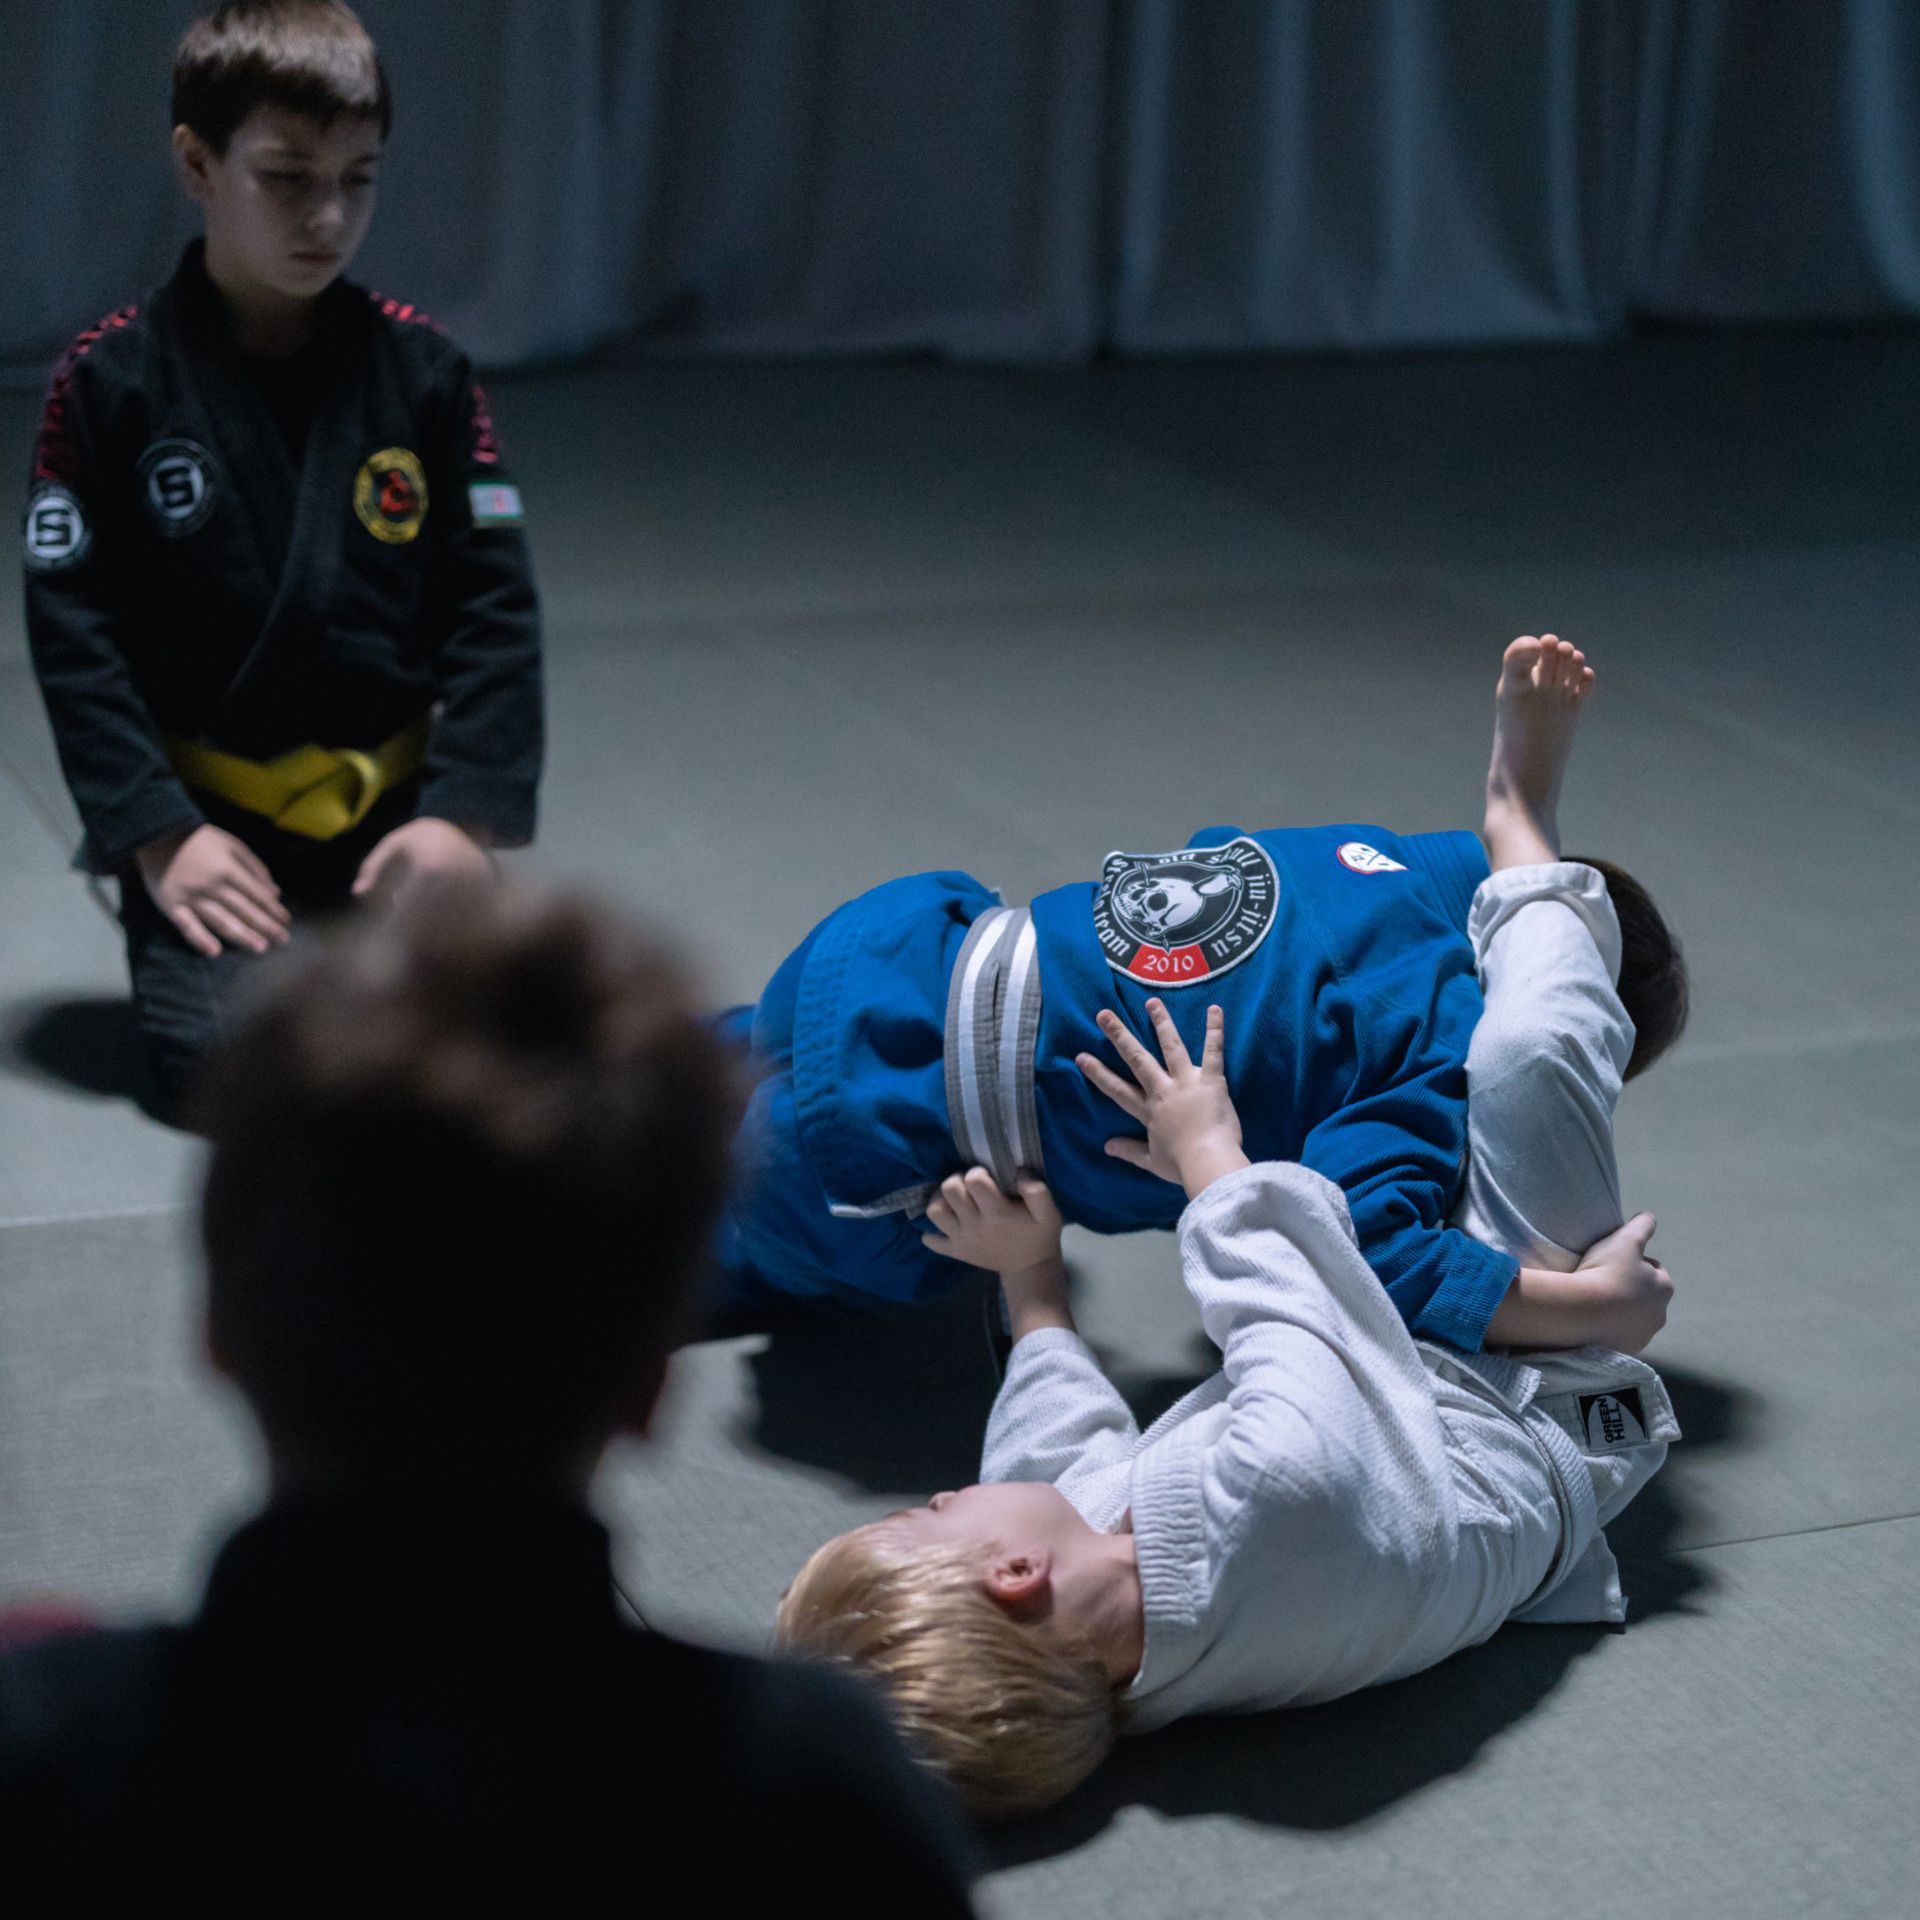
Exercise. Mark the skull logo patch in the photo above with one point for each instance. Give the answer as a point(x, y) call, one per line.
point(1176, 919)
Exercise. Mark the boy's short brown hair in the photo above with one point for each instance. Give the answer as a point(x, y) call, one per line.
point(1653, 971)
point(312, 57)
point(467, 1159)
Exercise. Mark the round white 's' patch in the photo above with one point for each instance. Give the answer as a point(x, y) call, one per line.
point(176, 482)
point(57, 534)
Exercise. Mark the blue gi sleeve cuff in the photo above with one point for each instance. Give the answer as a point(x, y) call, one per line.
point(1469, 1297)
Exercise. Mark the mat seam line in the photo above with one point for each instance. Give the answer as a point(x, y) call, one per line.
point(1799, 1533)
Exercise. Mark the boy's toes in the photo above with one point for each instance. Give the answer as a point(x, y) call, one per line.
point(1517, 663)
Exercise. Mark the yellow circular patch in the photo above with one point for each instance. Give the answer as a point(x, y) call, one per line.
point(390, 495)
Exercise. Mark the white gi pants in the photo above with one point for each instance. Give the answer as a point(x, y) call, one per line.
point(1543, 1077)
point(1545, 1066)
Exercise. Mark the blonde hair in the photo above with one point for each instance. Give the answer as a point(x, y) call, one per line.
point(1012, 1713)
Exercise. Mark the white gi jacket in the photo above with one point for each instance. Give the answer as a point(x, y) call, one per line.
point(1335, 1507)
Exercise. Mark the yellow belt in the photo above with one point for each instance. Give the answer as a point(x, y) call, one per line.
point(316, 791)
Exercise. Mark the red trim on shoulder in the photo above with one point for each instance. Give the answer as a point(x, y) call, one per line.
point(405, 310)
point(55, 458)
point(485, 448)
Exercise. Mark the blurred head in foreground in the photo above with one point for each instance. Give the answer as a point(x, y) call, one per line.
point(467, 1157)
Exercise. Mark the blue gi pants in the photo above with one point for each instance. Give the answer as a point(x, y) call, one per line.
point(780, 1239)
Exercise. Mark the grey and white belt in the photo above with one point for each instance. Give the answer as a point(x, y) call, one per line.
point(993, 1022)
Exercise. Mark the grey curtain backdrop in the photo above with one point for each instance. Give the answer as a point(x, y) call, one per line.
point(1038, 180)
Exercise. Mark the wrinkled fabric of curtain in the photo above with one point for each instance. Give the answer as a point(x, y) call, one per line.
point(1038, 180)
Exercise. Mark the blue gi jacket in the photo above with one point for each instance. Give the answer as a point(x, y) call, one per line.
point(1350, 998)
point(1346, 1043)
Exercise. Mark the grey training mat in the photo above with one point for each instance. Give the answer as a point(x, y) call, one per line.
point(121, 1465)
point(72, 1140)
point(812, 627)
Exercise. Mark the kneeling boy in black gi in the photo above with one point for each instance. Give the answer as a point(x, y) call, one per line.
point(278, 596)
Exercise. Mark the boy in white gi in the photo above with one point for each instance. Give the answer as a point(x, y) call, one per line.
point(1341, 1504)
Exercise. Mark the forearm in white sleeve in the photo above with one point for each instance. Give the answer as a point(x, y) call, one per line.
point(1321, 1370)
point(1056, 1414)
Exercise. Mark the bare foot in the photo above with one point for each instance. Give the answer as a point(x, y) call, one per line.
point(1544, 683)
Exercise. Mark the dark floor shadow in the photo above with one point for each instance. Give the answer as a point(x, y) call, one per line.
point(1712, 1413)
point(1658, 1575)
point(91, 1045)
point(1632, 419)
point(1315, 1769)
point(895, 1401)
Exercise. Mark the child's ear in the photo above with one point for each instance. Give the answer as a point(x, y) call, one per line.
point(193, 159)
point(1021, 1580)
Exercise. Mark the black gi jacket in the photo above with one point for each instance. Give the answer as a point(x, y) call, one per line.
point(185, 577)
point(382, 1694)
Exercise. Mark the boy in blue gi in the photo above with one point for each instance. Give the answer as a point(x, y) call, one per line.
point(925, 1027)
point(278, 597)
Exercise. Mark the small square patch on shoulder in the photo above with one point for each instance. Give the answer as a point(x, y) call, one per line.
point(1613, 1421)
point(495, 505)
point(1357, 857)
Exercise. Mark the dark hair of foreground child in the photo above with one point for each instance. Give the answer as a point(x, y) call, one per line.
point(466, 1160)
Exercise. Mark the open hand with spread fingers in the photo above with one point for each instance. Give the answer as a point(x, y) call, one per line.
point(1193, 1132)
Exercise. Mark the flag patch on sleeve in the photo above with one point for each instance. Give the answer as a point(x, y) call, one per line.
point(495, 505)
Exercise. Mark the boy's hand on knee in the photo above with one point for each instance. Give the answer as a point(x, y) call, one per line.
point(416, 850)
point(216, 890)
point(976, 1223)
